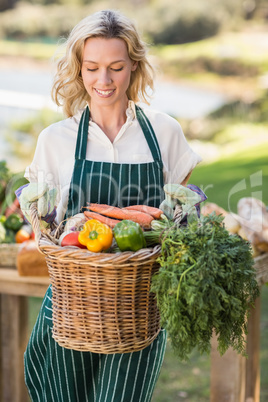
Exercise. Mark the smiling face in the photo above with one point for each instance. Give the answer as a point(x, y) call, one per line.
point(106, 70)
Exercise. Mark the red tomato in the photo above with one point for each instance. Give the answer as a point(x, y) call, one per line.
point(71, 239)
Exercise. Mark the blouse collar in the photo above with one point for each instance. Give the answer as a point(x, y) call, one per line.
point(130, 112)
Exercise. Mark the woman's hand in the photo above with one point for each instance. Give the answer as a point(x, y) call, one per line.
point(39, 193)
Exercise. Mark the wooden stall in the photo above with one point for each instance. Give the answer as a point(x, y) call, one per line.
point(14, 293)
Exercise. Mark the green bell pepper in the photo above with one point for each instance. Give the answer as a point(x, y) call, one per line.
point(13, 222)
point(129, 236)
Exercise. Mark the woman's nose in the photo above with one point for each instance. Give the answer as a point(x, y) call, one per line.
point(104, 77)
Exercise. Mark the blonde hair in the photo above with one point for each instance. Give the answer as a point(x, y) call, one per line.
point(68, 89)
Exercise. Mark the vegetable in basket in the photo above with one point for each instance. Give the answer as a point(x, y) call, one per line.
point(206, 282)
point(144, 219)
point(75, 223)
point(176, 194)
point(129, 236)
point(70, 238)
point(96, 236)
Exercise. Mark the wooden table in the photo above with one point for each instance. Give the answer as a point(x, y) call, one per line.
point(14, 293)
point(233, 378)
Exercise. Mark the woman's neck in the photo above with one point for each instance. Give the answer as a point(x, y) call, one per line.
point(109, 119)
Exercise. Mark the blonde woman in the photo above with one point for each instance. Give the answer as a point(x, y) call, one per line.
point(108, 150)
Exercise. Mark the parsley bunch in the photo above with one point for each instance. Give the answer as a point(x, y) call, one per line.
point(206, 282)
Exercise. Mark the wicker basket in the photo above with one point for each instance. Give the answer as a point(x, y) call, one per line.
point(8, 255)
point(101, 301)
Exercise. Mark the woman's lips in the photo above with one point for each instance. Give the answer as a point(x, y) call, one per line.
point(104, 93)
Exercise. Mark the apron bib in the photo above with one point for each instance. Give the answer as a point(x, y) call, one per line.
point(73, 376)
point(115, 183)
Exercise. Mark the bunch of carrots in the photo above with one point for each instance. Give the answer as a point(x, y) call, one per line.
point(110, 215)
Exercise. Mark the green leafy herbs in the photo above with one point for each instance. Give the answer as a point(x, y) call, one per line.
point(206, 283)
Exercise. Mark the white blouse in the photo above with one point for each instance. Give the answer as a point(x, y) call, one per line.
point(53, 161)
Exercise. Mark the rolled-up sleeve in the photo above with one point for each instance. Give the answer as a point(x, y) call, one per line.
point(179, 159)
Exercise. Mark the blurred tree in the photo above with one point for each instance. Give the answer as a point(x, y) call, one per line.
point(7, 4)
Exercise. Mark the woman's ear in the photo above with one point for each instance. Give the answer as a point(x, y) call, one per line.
point(134, 65)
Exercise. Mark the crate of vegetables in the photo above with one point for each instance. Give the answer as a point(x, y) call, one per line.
point(10, 235)
point(13, 230)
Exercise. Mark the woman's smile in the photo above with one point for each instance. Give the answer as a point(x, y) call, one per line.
point(105, 93)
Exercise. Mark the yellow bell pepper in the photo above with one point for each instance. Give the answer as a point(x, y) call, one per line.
point(96, 236)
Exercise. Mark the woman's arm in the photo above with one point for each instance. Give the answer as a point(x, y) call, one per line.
point(185, 181)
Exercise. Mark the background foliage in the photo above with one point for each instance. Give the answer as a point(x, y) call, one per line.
point(170, 22)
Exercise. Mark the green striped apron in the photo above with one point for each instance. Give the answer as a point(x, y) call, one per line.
point(57, 374)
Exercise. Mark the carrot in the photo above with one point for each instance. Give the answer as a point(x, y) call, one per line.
point(119, 213)
point(154, 212)
point(103, 219)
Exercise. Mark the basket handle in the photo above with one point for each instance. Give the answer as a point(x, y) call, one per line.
point(47, 239)
point(35, 221)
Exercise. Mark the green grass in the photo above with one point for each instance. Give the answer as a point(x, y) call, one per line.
point(183, 381)
point(243, 174)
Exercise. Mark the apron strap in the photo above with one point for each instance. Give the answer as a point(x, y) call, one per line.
point(81, 143)
point(149, 133)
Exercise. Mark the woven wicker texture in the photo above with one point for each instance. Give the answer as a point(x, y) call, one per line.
point(101, 301)
point(8, 255)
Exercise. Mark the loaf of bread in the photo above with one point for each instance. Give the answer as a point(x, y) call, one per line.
point(210, 207)
point(251, 222)
point(30, 262)
point(231, 220)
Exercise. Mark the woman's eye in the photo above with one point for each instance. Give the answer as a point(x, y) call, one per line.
point(113, 69)
point(117, 69)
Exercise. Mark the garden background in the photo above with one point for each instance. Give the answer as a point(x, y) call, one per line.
point(211, 58)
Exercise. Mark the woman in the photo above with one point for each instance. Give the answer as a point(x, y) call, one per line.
point(108, 150)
